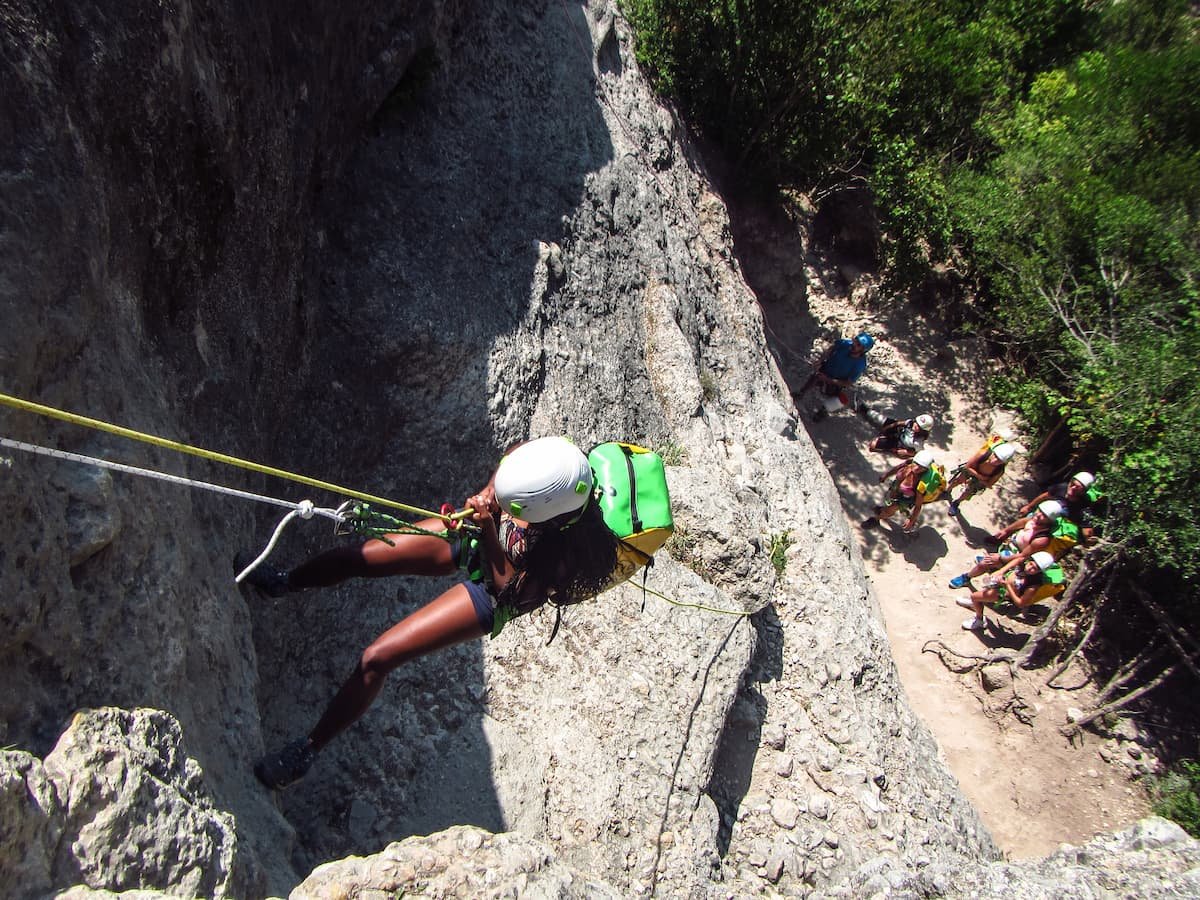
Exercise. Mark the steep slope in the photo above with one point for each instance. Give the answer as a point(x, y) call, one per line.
point(377, 247)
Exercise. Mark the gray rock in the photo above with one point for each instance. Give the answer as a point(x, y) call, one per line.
point(30, 822)
point(775, 863)
point(995, 677)
point(462, 861)
point(380, 248)
point(785, 813)
point(135, 810)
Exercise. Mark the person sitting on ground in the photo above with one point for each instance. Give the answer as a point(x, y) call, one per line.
point(908, 491)
point(1020, 586)
point(1072, 494)
point(980, 472)
point(839, 368)
point(899, 437)
point(1019, 541)
point(542, 537)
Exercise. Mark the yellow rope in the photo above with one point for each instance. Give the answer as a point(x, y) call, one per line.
point(701, 606)
point(26, 406)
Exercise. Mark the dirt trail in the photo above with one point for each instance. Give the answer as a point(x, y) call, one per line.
point(1033, 788)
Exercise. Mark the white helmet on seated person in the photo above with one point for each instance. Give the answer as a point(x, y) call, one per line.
point(1004, 452)
point(1084, 478)
point(1051, 509)
point(924, 459)
point(1043, 559)
point(543, 479)
point(925, 421)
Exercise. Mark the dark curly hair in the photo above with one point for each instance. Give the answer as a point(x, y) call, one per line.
point(569, 561)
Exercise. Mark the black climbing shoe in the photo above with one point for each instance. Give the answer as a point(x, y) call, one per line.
point(287, 765)
point(870, 522)
point(271, 581)
point(819, 414)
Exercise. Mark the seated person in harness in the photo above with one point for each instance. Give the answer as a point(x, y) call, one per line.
point(1019, 541)
point(842, 365)
point(915, 481)
point(542, 537)
point(979, 472)
point(1021, 587)
point(1075, 496)
point(899, 437)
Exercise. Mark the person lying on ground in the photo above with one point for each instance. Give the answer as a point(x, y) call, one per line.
point(979, 473)
point(899, 437)
point(1020, 587)
point(914, 482)
point(542, 537)
point(838, 369)
point(1019, 541)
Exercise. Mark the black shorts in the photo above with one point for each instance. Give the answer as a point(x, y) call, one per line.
point(485, 609)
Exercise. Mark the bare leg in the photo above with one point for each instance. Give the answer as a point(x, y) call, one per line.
point(408, 554)
point(971, 491)
point(447, 620)
point(981, 598)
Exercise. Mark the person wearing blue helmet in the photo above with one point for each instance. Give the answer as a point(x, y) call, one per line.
point(839, 368)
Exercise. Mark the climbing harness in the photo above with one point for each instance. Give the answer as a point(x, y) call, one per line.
point(355, 516)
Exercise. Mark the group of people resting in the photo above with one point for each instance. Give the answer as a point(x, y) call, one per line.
point(1024, 568)
point(1025, 562)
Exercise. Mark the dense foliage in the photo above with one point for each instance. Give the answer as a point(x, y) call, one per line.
point(1046, 150)
point(1177, 796)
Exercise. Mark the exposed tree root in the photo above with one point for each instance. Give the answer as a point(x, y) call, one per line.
point(936, 646)
point(1087, 636)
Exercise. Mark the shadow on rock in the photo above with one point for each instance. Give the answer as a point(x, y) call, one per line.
point(444, 234)
point(733, 768)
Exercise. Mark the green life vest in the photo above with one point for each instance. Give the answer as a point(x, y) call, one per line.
point(1063, 538)
point(1054, 583)
point(932, 483)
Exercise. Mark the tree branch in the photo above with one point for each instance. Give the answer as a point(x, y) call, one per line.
point(1095, 714)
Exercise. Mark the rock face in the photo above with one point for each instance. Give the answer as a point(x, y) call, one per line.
point(376, 244)
point(117, 804)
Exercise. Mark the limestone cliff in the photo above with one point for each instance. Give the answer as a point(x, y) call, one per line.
point(376, 244)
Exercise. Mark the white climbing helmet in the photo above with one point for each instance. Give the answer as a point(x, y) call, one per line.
point(1084, 478)
point(1043, 559)
point(1051, 509)
point(925, 421)
point(542, 479)
point(924, 459)
point(1004, 452)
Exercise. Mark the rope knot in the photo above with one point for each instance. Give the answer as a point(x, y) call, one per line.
point(305, 508)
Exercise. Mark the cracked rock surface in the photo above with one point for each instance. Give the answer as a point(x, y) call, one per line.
point(378, 245)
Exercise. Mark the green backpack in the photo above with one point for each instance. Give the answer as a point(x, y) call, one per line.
point(631, 482)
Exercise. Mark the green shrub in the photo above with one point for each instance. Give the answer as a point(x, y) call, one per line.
point(778, 550)
point(1176, 796)
point(673, 454)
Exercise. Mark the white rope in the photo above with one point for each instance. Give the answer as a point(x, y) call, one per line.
point(304, 509)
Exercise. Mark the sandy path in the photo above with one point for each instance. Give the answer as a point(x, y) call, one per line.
point(1033, 788)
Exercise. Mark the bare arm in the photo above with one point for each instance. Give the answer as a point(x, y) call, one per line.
point(1028, 507)
point(918, 502)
